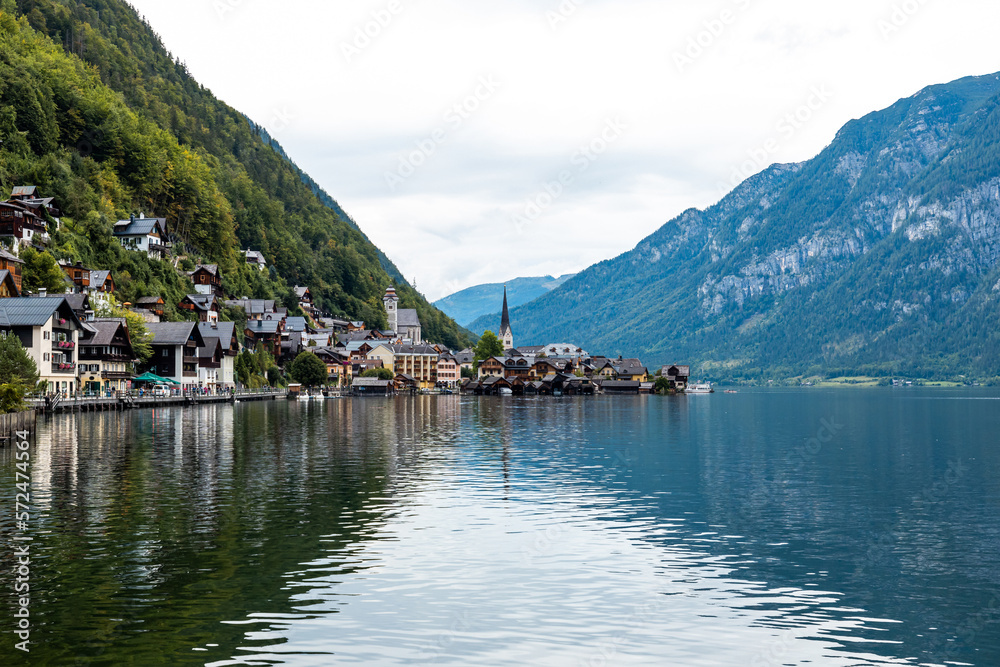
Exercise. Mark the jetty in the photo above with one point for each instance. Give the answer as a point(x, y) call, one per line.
point(54, 403)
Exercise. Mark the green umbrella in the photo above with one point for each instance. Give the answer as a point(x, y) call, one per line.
point(156, 379)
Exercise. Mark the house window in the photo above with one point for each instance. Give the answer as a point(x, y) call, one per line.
point(46, 335)
point(45, 356)
point(165, 352)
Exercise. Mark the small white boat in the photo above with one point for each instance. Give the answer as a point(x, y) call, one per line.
point(705, 388)
point(506, 391)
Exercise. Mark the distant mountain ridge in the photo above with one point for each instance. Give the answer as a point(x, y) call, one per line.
point(485, 300)
point(880, 256)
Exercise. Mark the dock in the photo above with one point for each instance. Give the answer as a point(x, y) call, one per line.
point(132, 400)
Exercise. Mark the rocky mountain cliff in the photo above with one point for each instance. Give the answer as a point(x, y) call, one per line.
point(879, 256)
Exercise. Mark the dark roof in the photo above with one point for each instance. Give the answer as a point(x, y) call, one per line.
point(34, 311)
point(104, 330)
point(505, 317)
point(371, 382)
point(78, 302)
point(621, 384)
point(201, 301)
point(264, 326)
point(98, 278)
point(683, 371)
point(295, 324)
point(151, 300)
point(223, 330)
point(140, 226)
point(171, 333)
point(407, 317)
point(253, 306)
point(211, 268)
point(210, 347)
point(4, 254)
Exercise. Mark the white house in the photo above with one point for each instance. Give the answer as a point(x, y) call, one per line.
point(217, 358)
point(49, 330)
point(148, 235)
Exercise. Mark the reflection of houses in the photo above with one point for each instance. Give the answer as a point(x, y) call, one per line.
point(217, 359)
point(48, 329)
point(148, 235)
point(106, 356)
point(175, 351)
point(207, 279)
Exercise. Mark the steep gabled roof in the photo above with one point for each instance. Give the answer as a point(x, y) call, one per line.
point(172, 333)
point(34, 311)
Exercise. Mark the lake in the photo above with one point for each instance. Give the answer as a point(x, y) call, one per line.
point(766, 528)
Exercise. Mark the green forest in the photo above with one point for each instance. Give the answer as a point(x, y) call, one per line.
point(97, 114)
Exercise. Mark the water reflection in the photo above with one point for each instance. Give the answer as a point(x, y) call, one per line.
point(763, 529)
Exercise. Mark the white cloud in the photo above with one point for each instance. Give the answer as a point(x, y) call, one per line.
point(349, 119)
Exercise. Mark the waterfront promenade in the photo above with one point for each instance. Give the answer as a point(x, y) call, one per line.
point(131, 400)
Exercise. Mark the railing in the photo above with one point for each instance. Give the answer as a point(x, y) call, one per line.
point(63, 345)
point(63, 368)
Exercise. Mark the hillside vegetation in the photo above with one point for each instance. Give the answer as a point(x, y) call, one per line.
point(96, 113)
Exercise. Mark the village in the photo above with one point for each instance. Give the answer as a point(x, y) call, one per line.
point(78, 353)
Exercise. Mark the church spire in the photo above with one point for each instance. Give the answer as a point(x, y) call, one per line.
point(506, 335)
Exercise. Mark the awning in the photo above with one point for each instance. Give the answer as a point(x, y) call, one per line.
point(156, 379)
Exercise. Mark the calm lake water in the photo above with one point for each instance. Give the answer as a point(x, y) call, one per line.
point(841, 527)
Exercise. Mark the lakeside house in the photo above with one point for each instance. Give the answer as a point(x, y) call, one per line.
point(175, 352)
point(49, 330)
point(106, 356)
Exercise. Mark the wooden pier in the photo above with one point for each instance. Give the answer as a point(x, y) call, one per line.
point(128, 401)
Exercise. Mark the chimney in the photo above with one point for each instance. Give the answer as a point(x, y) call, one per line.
point(131, 218)
point(43, 291)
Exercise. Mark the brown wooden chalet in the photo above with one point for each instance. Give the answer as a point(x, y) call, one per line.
point(205, 306)
point(102, 281)
point(13, 265)
point(266, 333)
point(153, 304)
point(207, 279)
point(77, 273)
point(8, 288)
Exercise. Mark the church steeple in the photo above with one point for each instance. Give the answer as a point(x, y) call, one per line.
point(506, 335)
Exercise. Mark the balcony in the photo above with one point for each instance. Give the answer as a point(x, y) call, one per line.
point(191, 360)
point(63, 345)
point(63, 368)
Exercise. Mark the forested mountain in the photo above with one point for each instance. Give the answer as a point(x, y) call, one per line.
point(481, 302)
point(95, 112)
point(880, 256)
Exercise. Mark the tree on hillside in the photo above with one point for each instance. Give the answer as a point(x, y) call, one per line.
point(308, 369)
point(41, 271)
point(137, 332)
point(18, 373)
point(488, 346)
point(380, 373)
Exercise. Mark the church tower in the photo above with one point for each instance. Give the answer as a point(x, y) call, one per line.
point(506, 335)
point(391, 302)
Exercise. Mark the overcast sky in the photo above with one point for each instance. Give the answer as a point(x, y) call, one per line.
point(476, 142)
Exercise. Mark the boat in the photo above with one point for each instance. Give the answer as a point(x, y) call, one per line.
point(506, 391)
point(731, 391)
point(703, 388)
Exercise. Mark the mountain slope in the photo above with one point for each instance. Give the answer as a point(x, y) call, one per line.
point(485, 300)
point(161, 143)
point(879, 256)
